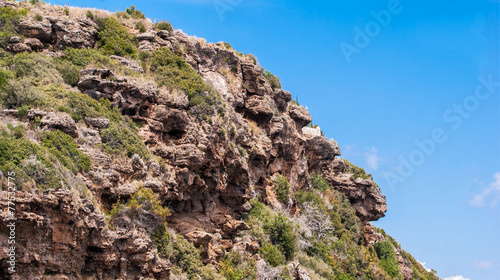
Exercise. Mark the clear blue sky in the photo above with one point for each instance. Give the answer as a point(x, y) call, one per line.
point(399, 87)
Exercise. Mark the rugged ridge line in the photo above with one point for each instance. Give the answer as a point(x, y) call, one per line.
point(210, 168)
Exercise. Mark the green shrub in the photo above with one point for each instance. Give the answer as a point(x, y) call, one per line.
point(273, 80)
point(40, 69)
point(8, 14)
point(69, 73)
point(282, 235)
point(22, 112)
point(38, 17)
point(66, 11)
point(9, 19)
point(186, 256)
point(5, 76)
point(123, 139)
point(163, 25)
point(140, 26)
point(318, 182)
point(242, 151)
point(143, 56)
point(135, 13)
point(89, 15)
point(358, 172)
point(34, 2)
point(162, 238)
point(19, 94)
point(66, 151)
point(143, 200)
point(33, 164)
point(82, 105)
point(387, 257)
point(84, 57)
point(341, 213)
point(282, 187)
point(235, 267)
point(260, 211)
point(271, 254)
point(17, 131)
point(173, 71)
point(232, 132)
point(37, 121)
point(317, 265)
point(64, 109)
point(14, 152)
point(115, 39)
point(228, 270)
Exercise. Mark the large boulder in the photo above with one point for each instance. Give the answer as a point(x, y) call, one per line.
point(258, 108)
point(18, 48)
point(33, 43)
point(75, 33)
point(300, 115)
point(41, 30)
point(282, 97)
point(255, 82)
point(61, 121)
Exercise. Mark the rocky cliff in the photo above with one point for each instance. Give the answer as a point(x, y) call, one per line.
point(191, 128)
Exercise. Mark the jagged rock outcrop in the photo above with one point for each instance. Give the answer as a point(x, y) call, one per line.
point(61, 32)
point(371, 235)
point(76, 241)
point(297, 272)
point(41, 30)
point(209, 169)
point(61, 121)
point(364, 194)
point(404, 265)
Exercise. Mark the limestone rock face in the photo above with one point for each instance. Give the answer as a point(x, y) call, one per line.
point(259, 108)
point(74, 33)
point(76, 241)
point(404, 265)
point(204, 170)
point(364, 194)
point(147, 36)
point(300, 115)
point(60, 32)
point(31, 28)
point(371, 235)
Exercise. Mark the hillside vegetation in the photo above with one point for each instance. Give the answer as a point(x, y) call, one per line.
point(140, 152)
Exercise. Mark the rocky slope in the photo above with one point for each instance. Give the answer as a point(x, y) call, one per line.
point(207, 155)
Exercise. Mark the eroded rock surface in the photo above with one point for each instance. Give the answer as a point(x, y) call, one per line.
point(209, 169)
